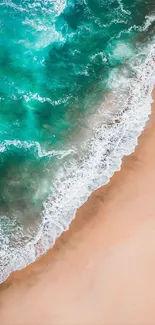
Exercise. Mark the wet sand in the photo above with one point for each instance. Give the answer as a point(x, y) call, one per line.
point(101, 271)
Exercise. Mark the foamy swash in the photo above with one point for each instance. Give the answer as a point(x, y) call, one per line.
point(75, 89)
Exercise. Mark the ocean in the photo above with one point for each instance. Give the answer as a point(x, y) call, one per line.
point(76, 78)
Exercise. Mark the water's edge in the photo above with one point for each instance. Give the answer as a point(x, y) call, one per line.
point(105, 155)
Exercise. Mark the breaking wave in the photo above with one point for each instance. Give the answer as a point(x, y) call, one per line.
point(75, 90)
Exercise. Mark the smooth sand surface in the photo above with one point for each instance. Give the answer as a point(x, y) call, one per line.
point(102, 271)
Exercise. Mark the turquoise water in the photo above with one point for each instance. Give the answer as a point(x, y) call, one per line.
point(62, 64)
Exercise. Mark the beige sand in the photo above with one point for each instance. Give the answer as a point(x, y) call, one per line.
point(102, 271)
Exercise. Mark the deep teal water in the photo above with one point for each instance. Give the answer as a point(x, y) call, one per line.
point(56, 58)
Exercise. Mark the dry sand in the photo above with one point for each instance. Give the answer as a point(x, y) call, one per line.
point(102, 271)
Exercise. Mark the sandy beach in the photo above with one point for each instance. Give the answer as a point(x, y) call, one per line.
point(101, 271)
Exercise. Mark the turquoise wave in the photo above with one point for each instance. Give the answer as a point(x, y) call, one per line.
point(60, 62)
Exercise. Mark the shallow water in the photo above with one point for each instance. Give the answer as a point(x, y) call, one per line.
point(75, 84)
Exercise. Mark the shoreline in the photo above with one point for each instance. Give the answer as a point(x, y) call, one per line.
point(110, 227)
point(105, 154)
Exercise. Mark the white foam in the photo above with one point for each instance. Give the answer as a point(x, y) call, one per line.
point(11, 4)
point(127, 12)
point(149, 20)
point(115, 137)
point(36, 145)
point(122, 51)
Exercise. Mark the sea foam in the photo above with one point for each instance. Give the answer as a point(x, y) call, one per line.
point(116, 130)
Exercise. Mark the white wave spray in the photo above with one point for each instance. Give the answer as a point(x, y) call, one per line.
point(115, 137)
